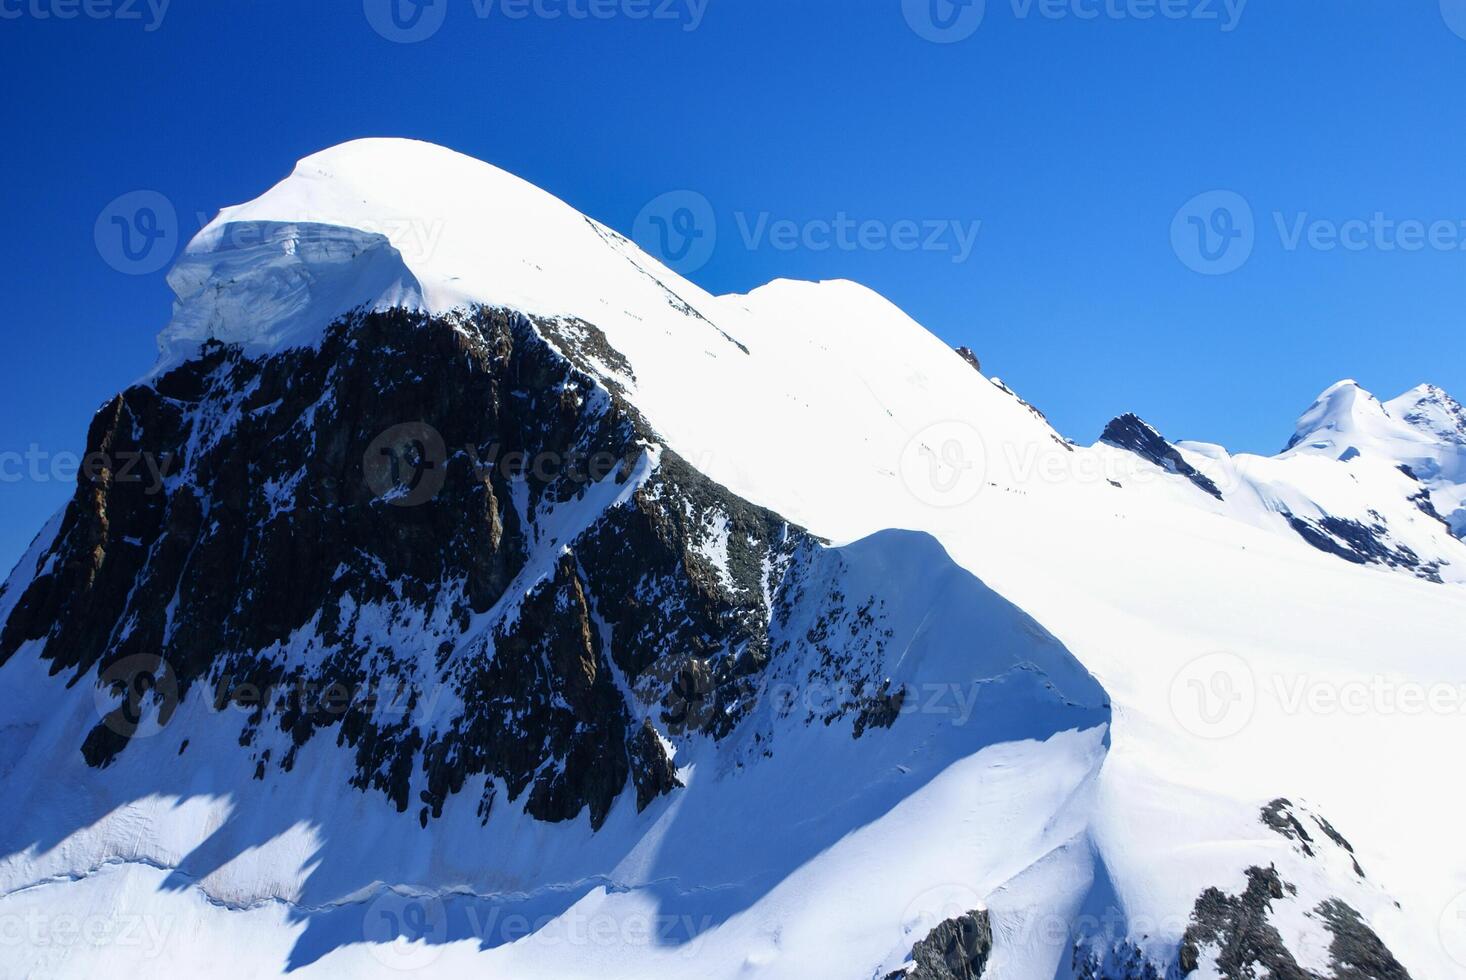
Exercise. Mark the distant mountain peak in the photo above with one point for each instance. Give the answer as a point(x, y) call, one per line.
point(1343, 408)
point(1432, 409)
point(1422, 432)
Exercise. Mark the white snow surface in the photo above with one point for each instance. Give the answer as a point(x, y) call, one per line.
point(1233, 655)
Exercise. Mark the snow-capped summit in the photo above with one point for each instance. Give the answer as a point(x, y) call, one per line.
point(1339, 416)
point(1347, 420)
point(395, 223)
point(1423, 431)
point(1431, 409)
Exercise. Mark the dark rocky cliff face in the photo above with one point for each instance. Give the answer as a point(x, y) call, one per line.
point(1363, 544)
point(1133, 433)
point(957, 949)
point(450, 544)
point(1237, 933)
point(970, 356)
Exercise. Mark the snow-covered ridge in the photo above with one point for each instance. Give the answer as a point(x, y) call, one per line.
point(396, 223)
point(392, 222)
point(438, 232)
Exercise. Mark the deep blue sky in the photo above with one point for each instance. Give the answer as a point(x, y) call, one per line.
point(1074, 141)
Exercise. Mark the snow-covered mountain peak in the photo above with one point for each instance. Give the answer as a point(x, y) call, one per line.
point(1347, 416)
point(1337, 417)
point(827, 294)
point(1422, 432)
point(1432, 410)
point(397, 223)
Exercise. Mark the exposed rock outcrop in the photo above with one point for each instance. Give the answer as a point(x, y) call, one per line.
point(1362, 544)
point(1234, 934)
point(957, 949)
point(1133, 433)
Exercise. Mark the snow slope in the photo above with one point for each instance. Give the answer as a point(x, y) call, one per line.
point(317, 868)
point(1221, 639)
